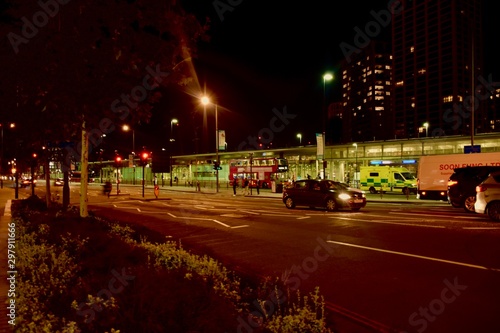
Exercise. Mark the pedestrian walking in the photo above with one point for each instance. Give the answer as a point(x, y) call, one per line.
point(235, 185)
point(157, 188)
point(258, 186)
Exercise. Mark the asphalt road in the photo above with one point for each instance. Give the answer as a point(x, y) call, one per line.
point(394, 266)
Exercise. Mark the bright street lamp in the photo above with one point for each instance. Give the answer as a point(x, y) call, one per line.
point(172, 122)
point(356, 169)
point(326, 77)
point(300, 138)
point(11, 125)
point(426, 125)
point(127, 128)
point(205, 101)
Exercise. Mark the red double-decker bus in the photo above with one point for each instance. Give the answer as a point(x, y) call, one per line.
point(265, 169)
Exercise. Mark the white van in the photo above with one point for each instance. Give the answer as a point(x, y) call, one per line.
point(435, 170)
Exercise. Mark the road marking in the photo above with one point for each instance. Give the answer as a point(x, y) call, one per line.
point(249, 212)
point(205, 219)
point(303, 217)
point(482, 228)
point(378, 327)
point(434, 215)
point(394, 223)
point(416, 256)
point(119, 207)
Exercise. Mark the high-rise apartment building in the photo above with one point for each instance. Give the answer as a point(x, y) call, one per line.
point(437, 68)
point(366, 95)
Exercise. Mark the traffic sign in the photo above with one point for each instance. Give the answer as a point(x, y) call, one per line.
point(472, 149)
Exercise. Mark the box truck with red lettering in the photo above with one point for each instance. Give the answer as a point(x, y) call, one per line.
point(434, 171)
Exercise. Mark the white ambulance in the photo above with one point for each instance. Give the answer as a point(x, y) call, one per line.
point(387, 179)
point(435, 170)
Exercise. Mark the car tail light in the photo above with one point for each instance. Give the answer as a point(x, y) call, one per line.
point(480, 188)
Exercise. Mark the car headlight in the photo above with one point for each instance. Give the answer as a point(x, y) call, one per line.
point(344, 196)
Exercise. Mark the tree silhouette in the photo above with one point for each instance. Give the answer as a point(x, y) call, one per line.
point(75, 70)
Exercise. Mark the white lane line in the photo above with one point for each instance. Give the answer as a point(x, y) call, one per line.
point(482, 228)
point(470, 217)
point(441, 216)
point(249, 212)
point(120, 207)
point(393, 223)
point(417, 256)
point(303, 217)
point(240, 226)
point(205, 219)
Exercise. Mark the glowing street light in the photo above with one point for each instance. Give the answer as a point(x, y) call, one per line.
point(300, 138)
point(205, 101)
point(127, 128)
point(172, 122)
point(326, 77)
point(426, 125)
point(356, 169)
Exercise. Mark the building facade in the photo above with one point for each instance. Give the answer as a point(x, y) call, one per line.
point(437, 68)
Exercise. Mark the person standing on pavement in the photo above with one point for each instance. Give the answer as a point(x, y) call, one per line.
point(258, 186)
point(235, 185)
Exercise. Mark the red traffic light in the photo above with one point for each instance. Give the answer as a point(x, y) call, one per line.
point(118, 159)
point(144, 156)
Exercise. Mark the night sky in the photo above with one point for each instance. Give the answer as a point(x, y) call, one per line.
point(264, 57)
point(263, 65)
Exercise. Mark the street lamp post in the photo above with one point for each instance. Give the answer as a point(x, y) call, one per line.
point(356, 168)
point(300, 138)
point(171, 141)
point(127, 128)
point(205, 101)
point(11, 125)
point(326, 77)
point(426, 125)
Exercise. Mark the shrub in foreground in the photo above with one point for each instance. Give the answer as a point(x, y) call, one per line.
point(94, 275)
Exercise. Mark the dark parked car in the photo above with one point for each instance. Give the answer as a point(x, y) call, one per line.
point(328, 194)
point(462, 185)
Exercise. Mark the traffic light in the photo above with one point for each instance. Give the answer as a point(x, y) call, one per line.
point(34, 161)
point(217, 165)
point(144, 158)
point(118, 161)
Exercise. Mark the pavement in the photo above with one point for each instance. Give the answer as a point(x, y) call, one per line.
point(6, 196)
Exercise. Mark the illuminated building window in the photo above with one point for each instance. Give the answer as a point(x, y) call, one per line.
point(400, 83)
